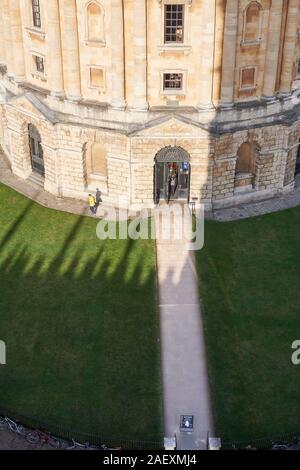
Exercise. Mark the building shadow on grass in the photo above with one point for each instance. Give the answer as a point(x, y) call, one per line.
point(82, 334)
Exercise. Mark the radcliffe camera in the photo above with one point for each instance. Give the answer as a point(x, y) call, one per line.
point(149, 231)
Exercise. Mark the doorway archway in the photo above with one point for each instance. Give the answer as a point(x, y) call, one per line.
point(36, 151)
point(172, 174)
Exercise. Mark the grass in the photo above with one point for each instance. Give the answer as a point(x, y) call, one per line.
point(80, 321)
point(249, 277)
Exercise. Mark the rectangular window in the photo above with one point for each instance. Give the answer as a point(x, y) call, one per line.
point(173, 81)
point(96, 77)
point(174, 18)
point(39, 64)
point(248, 77)
point(36, 11)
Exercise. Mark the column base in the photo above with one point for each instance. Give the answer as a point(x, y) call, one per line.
point(74, 98)
point(59, 95)
point(227, 105)
point(268, 99)
point(284, 95)
point(119, 105)
point(205, 106)
point(143, 106)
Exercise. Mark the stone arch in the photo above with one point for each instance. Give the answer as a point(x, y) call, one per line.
point(95, 21)
point(172, 154)
point(172, 174)
point(252, 22)
point(246, 165)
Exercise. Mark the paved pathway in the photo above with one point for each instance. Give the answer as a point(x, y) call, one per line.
point(244, 211)
point(184, 369)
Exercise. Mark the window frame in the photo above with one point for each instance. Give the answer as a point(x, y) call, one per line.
point(173, 91)
point(94, 87)
point(173, 19)
point(248, 87)
point(256, 42)
point(34, 70)
point(36, 13)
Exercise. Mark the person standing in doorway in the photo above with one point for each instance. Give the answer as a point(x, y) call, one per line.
point(92, 204)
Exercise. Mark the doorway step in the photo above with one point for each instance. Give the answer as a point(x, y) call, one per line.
point(36, 180)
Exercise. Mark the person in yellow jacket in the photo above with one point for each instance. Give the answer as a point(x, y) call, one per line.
point(92, 203)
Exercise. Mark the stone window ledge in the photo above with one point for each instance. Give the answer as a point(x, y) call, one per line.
point(248, 88)
point(91, 43)
point(186, 49)
point(250, 43)
point(243, 175)
point(36, 32)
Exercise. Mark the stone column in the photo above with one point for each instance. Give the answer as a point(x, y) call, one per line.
point(287, 68)
point(17, 40)
point(272, 51)
point(6, 37)
point(54, 52)
point(70, 50)
point(117, 55)
point(140, 55)
point(229, 53)
point(2, 36)
point(206, 72)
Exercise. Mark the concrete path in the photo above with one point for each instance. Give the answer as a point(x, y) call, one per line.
point(268, 206)
point(184, 368)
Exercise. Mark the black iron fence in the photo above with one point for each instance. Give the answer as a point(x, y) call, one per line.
point(289, 441)
point(93, 439)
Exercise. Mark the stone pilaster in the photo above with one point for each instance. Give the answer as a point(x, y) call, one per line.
point(206, 71)
point(117, 55)
point(54, 52)
point(17, 40)
point(70, 50)
point(229, 53)
point(140, 55)
point(287, 68)
point(272, 51)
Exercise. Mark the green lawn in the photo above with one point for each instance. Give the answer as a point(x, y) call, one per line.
point(250, 285)
point(80, 321)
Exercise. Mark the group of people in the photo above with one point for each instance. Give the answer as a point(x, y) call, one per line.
point(94, 201)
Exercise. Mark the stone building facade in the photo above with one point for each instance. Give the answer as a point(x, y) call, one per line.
point(123, 95)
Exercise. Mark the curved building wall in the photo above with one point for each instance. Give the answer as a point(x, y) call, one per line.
point(108, 84)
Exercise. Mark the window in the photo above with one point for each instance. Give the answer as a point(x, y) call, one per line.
point(96, 77)
point(39, 64)
point(36, 11)
point(95, 23)
point(173, 81)
point(174, 20)
point(252, 23)
point(248, 78)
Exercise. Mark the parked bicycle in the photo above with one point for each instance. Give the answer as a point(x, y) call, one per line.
point(41, 437)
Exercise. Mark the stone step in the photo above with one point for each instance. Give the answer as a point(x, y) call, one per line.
point(36, 180)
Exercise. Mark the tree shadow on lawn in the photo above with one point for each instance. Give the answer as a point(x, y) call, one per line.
point(82, 334)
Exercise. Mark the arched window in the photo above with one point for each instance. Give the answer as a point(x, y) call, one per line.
point(95, 159)
point(246, 157)
point(95, 22)
point(95, 164)
point(252, 23)
point(246, 165)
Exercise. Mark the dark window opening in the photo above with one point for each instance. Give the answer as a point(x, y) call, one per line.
point(36, 11)
point(174, 17)
point(173, 81)
point(40, 65)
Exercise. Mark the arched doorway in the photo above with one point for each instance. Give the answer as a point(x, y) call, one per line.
point(172, 174)
point(36, 151)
